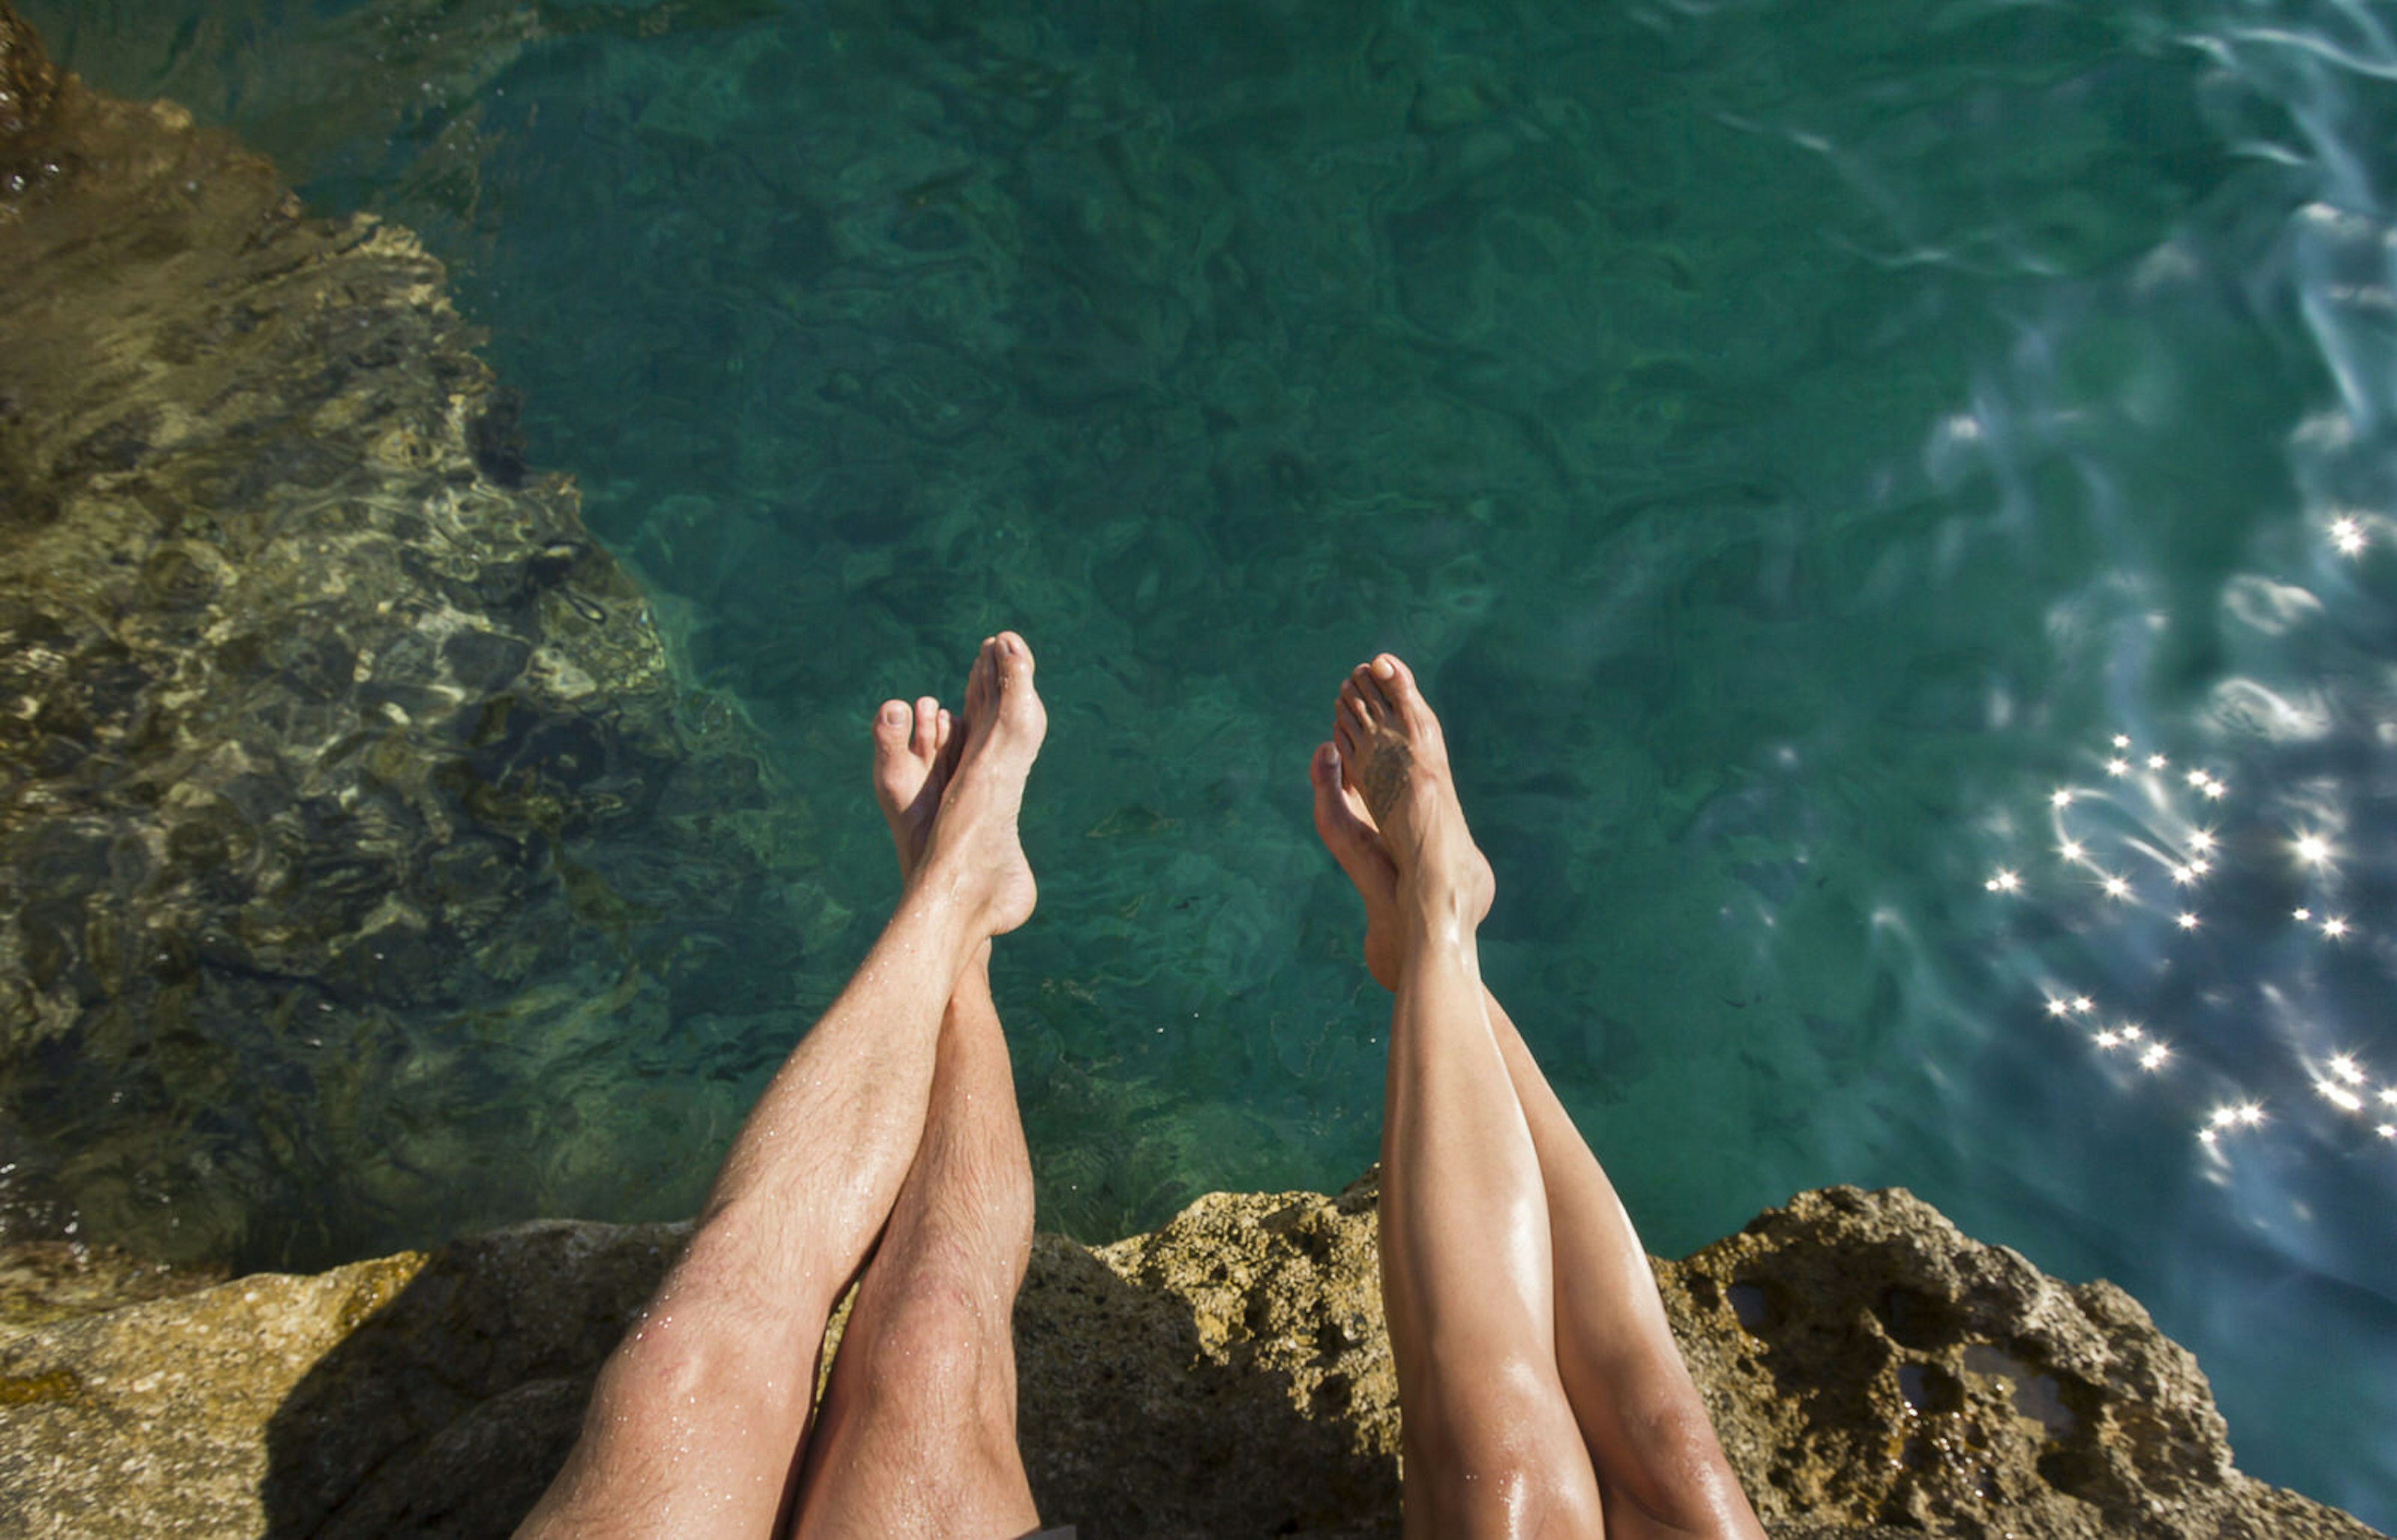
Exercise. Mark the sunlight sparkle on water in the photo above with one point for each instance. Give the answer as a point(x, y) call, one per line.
point(2347, 534)
point(2148, 819)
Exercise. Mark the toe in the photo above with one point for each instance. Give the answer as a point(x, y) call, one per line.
point(925, 741)
point(1011, 666)
point(1406, 698)
point(891, 722)
point(979, 682)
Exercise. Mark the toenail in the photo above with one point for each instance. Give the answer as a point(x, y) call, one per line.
point(1385, 668)
point(893, 713)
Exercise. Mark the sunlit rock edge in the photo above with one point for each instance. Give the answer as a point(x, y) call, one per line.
point(1867, 1365)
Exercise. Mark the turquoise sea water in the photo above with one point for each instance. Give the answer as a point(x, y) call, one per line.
point(1815, 456)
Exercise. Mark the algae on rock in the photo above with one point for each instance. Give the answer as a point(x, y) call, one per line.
point(343, 782)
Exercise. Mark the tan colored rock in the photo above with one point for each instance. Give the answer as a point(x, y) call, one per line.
point(1865, 1360)
point(1872, 1371)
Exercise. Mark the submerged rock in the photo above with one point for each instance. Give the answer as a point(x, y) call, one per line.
point(342, 781)
point(1872, 1372)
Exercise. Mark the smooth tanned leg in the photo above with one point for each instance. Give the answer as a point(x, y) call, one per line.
point(1660, 1468)
point(1490, 1441)
point(697, 1423)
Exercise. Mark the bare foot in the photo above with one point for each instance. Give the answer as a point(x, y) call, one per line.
point(1346, 827)
point(1394, 760)
point(970, 850)
point(910, 769)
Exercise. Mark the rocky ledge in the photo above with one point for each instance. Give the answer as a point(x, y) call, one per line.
point(1872, 1369)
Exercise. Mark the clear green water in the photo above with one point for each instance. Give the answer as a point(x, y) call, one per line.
point(1792, 441)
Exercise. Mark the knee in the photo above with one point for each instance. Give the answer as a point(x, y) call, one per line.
point(940, 1343)
point(1497, 1447)
point(669, 1363)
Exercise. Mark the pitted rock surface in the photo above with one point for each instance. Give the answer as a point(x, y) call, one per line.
point(1873, 1372)
point(1865, 1359)
point(342, 776)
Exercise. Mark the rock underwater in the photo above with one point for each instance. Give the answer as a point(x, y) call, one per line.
point(1872, 1371)
point(343, 781)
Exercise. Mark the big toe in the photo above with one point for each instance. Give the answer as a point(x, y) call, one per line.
point(894, 732)
point(1396, 683)
point(1018, 703)
point(901, 758)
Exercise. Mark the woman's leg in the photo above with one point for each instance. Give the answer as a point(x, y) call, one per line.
point(1490, 1441)
point(696, 1423)
point(1660, 1468)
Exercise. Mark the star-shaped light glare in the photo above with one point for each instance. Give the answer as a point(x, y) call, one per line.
point(2186, 920)
point(2004, 881)
point(2312, 849)
point(2334, 927)
point(2347, 534)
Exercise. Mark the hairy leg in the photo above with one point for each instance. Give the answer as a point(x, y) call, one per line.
point(1660, 1468)
point(696, 1423)
point(1490, 1441)
point(917, 1433)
